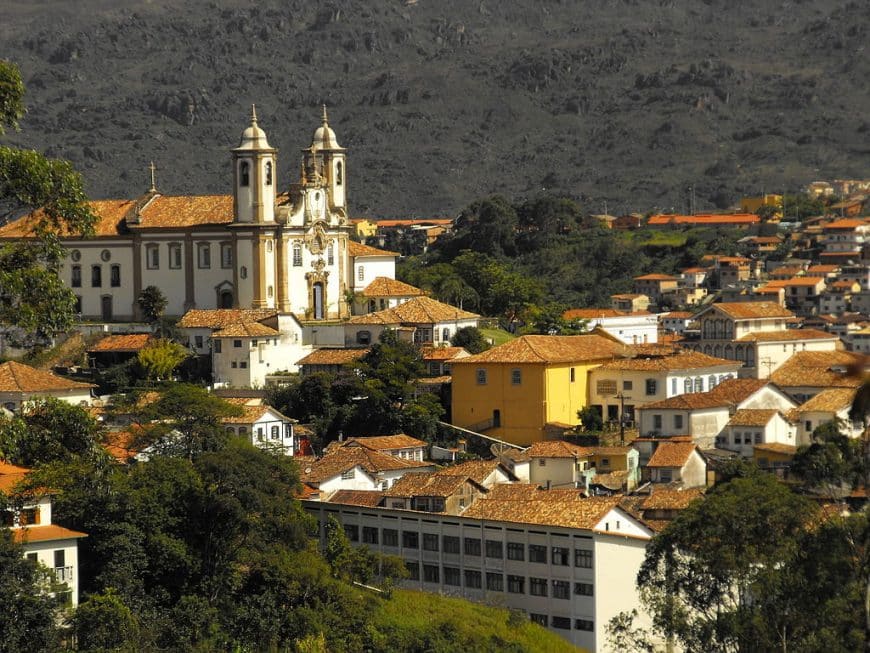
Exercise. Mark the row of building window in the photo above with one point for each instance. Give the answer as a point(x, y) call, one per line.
point(96, 276)
point(274, 432)
point(496, 581)
point(203, 256)
point(470, 546)
point(516, 373)
point(245, 173)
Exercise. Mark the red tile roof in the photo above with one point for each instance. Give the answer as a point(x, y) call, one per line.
point(16, 377)
point(357, 250)
point(48, 533)
point(557, 449)
point(547, 508)
point(671, 454)
point(591, 313)
point(332, 356)
point(786, 335)
point(364, 498)
point(121, 343)
point(223, 317)
point(246, 330)
point(752, 310)
point(386, 287)
point(418, 310)
point(549, 349)
point(752, 417)
point(681, 360)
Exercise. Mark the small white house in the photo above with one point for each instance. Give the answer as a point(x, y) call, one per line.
point(827, 406)
point(263, 426)
point(751, 426)
point(677, 462)
point(20, 384)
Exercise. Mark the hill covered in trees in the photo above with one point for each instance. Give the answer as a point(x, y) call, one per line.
point(626, 101)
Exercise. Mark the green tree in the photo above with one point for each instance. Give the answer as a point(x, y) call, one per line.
point(162, 358)
point(590, 419)
point(50, 430)
point(833, 463)
point(152, 302)
point(32, 297)
point(27, 615)
point(470, 338)
point(104, 622)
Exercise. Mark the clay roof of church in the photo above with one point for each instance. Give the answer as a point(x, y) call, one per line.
point(219, 318)
point(110, 220)
point(418, 310)
point(17, 377)
point(356, 249)
point(386, 287)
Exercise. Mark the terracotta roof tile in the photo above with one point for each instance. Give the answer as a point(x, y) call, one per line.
point(702, 219)
point(476, 470)
point(829, 401)
point(429, 485)
point(386, 287)
point(332, 356)
point(549, 349)
point(10, 476)
point(752, 310)
point(557, 449)
point(787, 335)
point(817, 369)
point(735, 391)
point(110, 220)
point(246, 330)
point(688, 401)
point(356, 249)
point(752, 417)
point(386, 442)
point(776, 447)
point(655, 277)
point(548, 508)
point(845, 224)
point(441, 353)
point(418, 310)
point(223, 317)
point(121, 343)
point(365, 498)
point(46, 533)
point(344, 458)
point(682, 360)
point(591, 313)
point(671, 499)
point(671, 454)
point(16, 377)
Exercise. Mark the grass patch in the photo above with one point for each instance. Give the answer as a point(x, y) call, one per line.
point(411, 618)
point(497, 336)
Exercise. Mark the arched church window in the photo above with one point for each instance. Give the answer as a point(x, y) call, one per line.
point(268, 173)
point(270, 292)
point(244, 174)
point(243, 272)
point(297, 255)
point(269, 245)
point(338, 174)
point(330, 255)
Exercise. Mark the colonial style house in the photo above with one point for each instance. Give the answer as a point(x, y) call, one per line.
point(263, 426)
point(677, 462)
point(831, 405)
point(426, 321)
point(44, 543)
point(383, 293)
point(631, 328)
point(357, 468)
point(400, 445)
point(441, 492)
point(513, 391)
point(751, 426)
point(618, 387)
point(329, 360)
point(117, 348)
point(20, 384)
point(807, 373)
point(756, 334)
point(655, 286)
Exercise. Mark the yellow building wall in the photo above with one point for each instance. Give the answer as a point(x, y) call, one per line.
point(545, 394)
point(752, 204)
point(365, 228)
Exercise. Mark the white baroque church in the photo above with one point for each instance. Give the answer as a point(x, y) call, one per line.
point(259, 248)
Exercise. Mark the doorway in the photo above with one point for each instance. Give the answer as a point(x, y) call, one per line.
point(106, 307)
point(225, 299)
point(318, 300)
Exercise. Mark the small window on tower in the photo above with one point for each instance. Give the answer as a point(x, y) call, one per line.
point(268, 173)
point(297, 255)
point(338, 174)
point(330, 255)
point(244, 174)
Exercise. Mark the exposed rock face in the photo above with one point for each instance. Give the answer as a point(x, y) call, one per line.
point(628, 101)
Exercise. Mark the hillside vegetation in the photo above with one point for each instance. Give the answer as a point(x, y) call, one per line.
point(439, 103)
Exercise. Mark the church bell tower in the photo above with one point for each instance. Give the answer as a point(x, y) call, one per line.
point(254, 175)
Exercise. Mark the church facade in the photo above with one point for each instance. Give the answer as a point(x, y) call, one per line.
point(260, 248)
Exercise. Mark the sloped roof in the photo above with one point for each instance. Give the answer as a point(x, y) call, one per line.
point(386, 442)
point(332, 356)
point(547, 508)
point(428, 485)
point(219, 318)
point(10, 476)
point(776, 447)
point(752, 310)
point(17, 377)
point(557, 449)
point(476, 470)
point(364, 498)
point(110, 220)
point(671, 454)
point(418, 310)
point(688, 401)
point(683, 359)
point(121, 343)
point(441, 353)
point(592, 313)
point(46, 533)
point(786, 335)
point(344, 458)
point(386, 287)
point(656, 277)
point(671, 499)
point(831, 400)
point(752, 417)
point(246, 330)
point(816, 369)
point(847, 223)
point(736, 391)
point(549, 349)
point(357, 250)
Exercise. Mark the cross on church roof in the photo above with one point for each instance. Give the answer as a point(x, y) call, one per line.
point(153, 170)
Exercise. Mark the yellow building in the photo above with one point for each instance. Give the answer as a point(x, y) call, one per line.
point(363, 228)
point(752, 204)
point(514, 391)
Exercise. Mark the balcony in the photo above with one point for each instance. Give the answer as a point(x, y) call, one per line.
point(63, 574)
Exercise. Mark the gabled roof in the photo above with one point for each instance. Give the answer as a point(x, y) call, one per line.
point(557, 449)
point(17, 377)
point(592, 313)
point(364, 498)
point(671, 499)
point(47, 533)
point(688, 401)
point(750, 310)
point(736, 391)
point(341, 459)
point(476, 470)
point(786, 335)
point(10, 476)
point(223, 317)
point(385, 442)
point(549, 349)
point(442, 353)
point(831, 400)
point(847, 224)
point(671, 454)
point(656, 277)
point(332, 356)
point(246, 330)
point(547, 508)
point(819, 369)
point(752, 417)
point(417, 310)
point(132, 342)
point(386, 287)
point(683, 359)
point(358, 250)
point(429, 485)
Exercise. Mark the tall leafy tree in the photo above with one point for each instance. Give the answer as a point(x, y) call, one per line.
point(32, 297)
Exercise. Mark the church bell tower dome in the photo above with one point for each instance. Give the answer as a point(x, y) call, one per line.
point(253, 138)
point(324, 136)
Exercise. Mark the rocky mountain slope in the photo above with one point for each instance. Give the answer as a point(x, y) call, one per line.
point(629, 102)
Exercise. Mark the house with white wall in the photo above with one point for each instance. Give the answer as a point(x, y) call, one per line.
point(635, 328)
point(677, 462)
point(751, 426)
point(263, 426)
point(50, 545)
point(829, 405)
point(358, 468)
point(21, 384)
